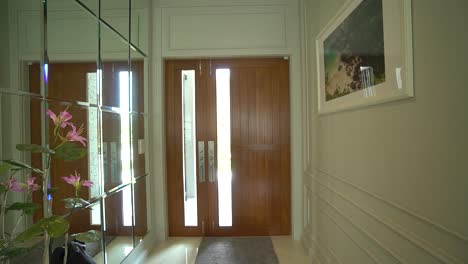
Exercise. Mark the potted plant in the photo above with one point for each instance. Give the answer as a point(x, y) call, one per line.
point(68, 144)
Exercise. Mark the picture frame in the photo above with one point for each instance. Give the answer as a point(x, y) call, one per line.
point(365, 55)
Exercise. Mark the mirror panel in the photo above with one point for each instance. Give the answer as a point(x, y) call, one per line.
point(141, 210)
point(140, 145)
point(104, 94)
point(72, 56)
point(118, 230)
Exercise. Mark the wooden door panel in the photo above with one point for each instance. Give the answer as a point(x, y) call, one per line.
point(174, 146)
point(260, 147)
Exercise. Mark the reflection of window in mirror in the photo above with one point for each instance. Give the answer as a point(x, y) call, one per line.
point(125, 81)
point(93, 155)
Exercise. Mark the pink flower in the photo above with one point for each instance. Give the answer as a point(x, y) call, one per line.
point(60, 120)
point(87, 183)
point(75, 181)
point(74, 136)
point(13, 186)
point(31, 185)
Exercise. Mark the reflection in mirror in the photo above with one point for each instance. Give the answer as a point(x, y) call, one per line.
point(139, 145)
point(139, 81)
point(105, 99)
point(16, 128)
point(110, 150)
point(118, 226)
point(24, 122)
point(141, 212)
point(115, 13)
point(71, 55)
point(139, 24)
point(16, 51)
point(114, 65)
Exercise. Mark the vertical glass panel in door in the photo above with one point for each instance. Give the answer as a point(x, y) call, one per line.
point(189, 155)
point(223, 121)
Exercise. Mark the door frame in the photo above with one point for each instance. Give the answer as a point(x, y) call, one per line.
point(207, 198)
point(159, 221)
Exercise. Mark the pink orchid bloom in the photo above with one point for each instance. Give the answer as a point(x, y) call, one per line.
point(87, 183)
point(13, 186)
point(61, 120)
point(75, 181)
point(74, 136)
point(31, 185)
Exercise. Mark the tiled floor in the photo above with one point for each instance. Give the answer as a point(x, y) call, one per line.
point(116, 250)
point(184, 251)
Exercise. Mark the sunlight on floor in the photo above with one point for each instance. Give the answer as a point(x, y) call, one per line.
point(184, 251)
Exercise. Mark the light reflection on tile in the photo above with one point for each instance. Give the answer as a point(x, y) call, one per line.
point(290, 251)
point(116, 250)
point(181, 250)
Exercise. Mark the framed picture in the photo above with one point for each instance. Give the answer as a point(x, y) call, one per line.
point(365, 55)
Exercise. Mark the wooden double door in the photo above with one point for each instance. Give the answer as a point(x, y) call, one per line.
point(228, 147)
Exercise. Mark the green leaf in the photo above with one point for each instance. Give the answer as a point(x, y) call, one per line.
point(2, 188)
point(75, 203)
point(55, 226)
point(10, 251)
point(88, 237)
point(70, 151)
point(52, 190)
point(27, 208)
point(4, 168)
point(34, 148)
point(21, 165)
point(31, 232)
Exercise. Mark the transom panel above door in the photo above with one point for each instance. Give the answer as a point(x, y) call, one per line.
point(227, 147)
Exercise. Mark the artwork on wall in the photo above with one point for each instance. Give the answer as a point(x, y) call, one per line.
point(364, 55)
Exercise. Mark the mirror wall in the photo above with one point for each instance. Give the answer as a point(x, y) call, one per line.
point(88, 58)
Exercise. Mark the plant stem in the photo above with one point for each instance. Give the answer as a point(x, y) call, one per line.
point(3, 214)
point(16, 226)
point(66, 238)
point(45, 254)
point(46, 213)
point(66, 249)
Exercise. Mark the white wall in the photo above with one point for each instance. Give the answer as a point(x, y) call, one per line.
point(388, 183)
point(226, 28)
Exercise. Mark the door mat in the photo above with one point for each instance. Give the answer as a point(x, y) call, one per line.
point(236, 250)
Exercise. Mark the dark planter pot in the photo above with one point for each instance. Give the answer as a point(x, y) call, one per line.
point(76, 254)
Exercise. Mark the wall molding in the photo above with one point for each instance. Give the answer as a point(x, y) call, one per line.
point(369, 254)
point(440, 227)
point(203, 3)
point(357, 227)
point(416, 240)
point(306, 240)
point(330, 254)
point(212, 28)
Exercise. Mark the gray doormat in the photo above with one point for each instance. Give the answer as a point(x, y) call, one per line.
point(234, 250)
